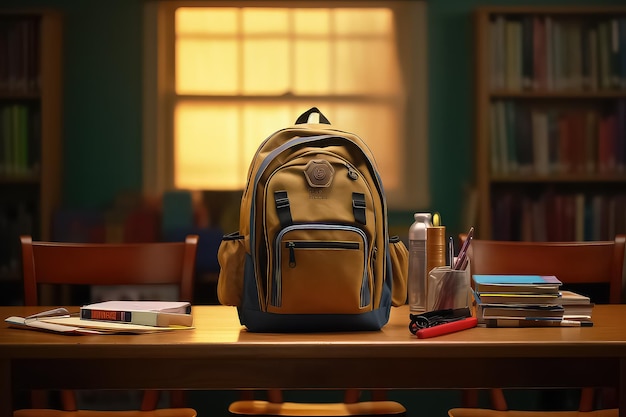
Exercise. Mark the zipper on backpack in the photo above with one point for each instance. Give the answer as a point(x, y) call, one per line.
point(292, 246)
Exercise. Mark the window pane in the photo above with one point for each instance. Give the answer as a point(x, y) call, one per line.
point(266, 66)
point(378, 126)
point(311, 21)
point(196, 21)
point(312, 67)
point(365, 67)
point(201, 64)
point(265, 21)
point(215, 142)
point(207, 146)
point(363, 21)
point(260, 120)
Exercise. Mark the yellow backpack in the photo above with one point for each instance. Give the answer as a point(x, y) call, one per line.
point(313, 251)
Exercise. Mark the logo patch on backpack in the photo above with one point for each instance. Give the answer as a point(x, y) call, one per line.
point(319, 173)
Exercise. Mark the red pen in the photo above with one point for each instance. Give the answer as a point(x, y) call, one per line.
point(446, 328)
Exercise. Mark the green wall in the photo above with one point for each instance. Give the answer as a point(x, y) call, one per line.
point(102, 97)
point(103, 100)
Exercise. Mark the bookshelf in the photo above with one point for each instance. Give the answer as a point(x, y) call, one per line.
point(550, 122)
point(30, 134)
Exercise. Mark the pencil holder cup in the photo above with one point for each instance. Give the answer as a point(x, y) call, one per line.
point(448, 288)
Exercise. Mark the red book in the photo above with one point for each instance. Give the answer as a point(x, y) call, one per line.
point(539, 54)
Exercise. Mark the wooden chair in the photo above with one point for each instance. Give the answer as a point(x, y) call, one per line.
point(108, 264)
point(574, 263)
point(351, 406)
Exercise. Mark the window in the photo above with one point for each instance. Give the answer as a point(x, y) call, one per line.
point(224, 77)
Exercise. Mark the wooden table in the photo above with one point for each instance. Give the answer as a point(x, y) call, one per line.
point(220, 354)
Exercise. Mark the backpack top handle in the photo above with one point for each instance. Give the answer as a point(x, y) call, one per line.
point(304, 117)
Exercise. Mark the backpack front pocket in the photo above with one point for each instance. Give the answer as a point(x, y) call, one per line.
point(320, 269)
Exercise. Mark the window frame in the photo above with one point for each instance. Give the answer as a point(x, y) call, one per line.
point(158, 86)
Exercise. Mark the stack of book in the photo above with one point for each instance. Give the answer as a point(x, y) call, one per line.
point(528, 300)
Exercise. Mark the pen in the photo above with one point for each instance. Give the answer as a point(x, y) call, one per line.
point(461, 260)
point(447, 328)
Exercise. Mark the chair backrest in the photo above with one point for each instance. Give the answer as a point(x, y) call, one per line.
point(108, 264)
point(591, 262)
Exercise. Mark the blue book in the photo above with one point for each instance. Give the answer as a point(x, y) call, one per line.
point(536, 284)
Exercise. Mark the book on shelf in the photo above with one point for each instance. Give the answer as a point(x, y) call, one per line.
point(148, 313)
point(546, 140)
point(537, 284)
point(547, 53)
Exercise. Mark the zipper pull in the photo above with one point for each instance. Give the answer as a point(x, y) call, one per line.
point(292, 254)
point(352, 174)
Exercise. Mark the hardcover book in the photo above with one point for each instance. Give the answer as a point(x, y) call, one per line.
point(149, 313)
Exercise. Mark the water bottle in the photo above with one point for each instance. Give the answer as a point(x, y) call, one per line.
point(417, 262)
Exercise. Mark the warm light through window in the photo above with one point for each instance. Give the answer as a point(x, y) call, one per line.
point(243, 73)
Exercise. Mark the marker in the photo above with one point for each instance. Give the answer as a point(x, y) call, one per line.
point(436, 219)
point(447, 328)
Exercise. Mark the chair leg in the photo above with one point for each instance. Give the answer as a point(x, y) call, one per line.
point(150, 400)
point(68, 399)
point(586, 399)
point(497, 399)
point(274, 395)
point(351, 396)
point(470, 398)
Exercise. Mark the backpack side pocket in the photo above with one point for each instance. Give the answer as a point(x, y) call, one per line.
point(400, 268)
point(231, 257)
